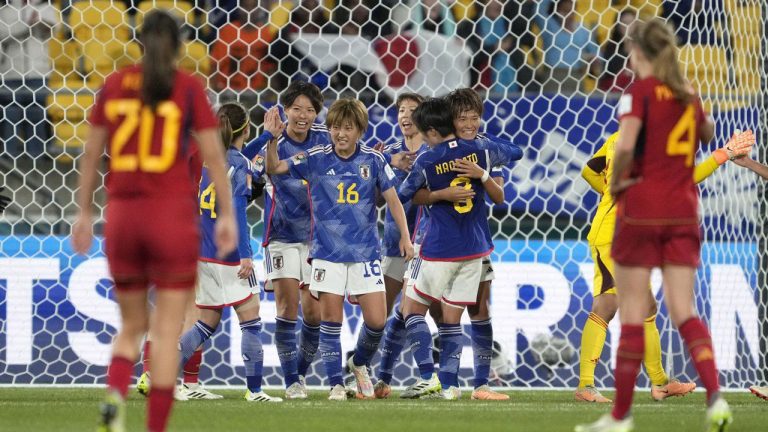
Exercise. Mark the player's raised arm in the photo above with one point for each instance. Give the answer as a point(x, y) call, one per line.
point(274, 164)
point(273, 127)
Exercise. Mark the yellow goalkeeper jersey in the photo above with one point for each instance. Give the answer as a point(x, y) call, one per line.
point(598, 171)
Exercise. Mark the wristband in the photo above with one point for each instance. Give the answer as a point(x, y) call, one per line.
point(485, 176)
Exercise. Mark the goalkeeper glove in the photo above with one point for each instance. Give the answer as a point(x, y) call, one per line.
point(740, 144)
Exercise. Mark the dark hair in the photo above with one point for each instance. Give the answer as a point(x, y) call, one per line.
point(232, 114)
point(302, 88)
point(408, 96)
point(464, 99)
point(161, 41)
point(657, 40)
point(434, 113)
point(351, 110)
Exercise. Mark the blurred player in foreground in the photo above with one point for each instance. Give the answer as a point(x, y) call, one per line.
point(141, 112)
point(661, 123)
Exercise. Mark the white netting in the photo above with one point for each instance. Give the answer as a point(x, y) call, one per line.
point(547, 88)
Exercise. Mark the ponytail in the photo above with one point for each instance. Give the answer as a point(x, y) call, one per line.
point(161, 41)
point(658, 42)
point(232, 114)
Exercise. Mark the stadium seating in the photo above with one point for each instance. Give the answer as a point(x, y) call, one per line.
point(182, 9)
point(67, 111)
point(195, 58)
point(64, 55)
point(101, 31)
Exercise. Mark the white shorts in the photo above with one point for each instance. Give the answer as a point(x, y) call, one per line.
point(409, 272)
point(218, 286)
point(287, 261)
point(452, 282)
point(394, 267)
point(487, 272)
point(346, 279)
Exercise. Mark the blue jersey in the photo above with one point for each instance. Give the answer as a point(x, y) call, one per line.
point(286, 202)
point(343, 194)
point(391, 242)
point(456, 231)
point(241, 172)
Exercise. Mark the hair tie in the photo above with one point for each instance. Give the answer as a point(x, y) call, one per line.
point(240, 129)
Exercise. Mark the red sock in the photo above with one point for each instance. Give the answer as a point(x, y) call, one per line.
point(119, 375)
point(160, 404)
point(699, 344)
point(145, 362)
point(628, 359)
point(192, 367)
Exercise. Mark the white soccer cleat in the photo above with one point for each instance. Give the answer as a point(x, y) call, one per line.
point(295, 391)
point(761, 392)
point(363, 379)
point(422, 388)
point(719, 416)
point(303, 382)
point(179, 395)
point(260, 397)
point(338, 393)
point(112, 412)
point(197, 391)
point(607, 423)
point(452, 393)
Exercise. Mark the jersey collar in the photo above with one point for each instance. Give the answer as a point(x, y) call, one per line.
point(351, 157)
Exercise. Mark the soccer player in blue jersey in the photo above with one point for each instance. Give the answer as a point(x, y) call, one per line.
point(451, 258)
point(287, 227)
point(346, 260)
point(230, 281)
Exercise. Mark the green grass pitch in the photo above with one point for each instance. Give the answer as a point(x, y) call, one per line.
point(51, 409)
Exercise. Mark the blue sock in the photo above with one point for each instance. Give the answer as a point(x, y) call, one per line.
point(482, 347)
point(285, 339)
point(330, 351)
point(394, 340)
point(450, 354)
point(421, 344)
point(192, 339)
point(367, 344)
point(310, 339)
point(253, 354)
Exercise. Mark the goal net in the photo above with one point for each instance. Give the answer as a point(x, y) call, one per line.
point(550, 73)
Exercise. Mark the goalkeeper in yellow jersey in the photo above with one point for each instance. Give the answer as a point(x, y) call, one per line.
point(605, 305)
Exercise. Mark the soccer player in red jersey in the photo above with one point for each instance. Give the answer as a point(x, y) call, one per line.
point(661, 122)
point(146, 114)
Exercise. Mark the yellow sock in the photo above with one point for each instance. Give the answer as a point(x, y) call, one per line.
point(652, 358)
point(592, 342)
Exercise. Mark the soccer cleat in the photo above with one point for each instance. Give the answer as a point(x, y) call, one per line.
point(142, 386)
point(179, 395)
point(485, 393)
point(197, 391)
point(422, 388)
point(590, 394)
point(382, 390)
point(338, 393)
point(260, 397)
point(607, 423)
point(112, 412)
point(363, 379)
point(452, 393)
point(719, 416)
point(761, 392)
point(295, 391)
point(303, 382)
point(672, 388)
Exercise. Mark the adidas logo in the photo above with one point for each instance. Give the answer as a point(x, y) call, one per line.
point(331, 172)
point(379, 282)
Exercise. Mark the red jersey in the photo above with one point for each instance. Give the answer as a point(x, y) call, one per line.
point(664, 156)
point(149, 153)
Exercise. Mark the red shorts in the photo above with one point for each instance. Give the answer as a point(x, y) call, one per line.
point(152, 241)
point(656, 245)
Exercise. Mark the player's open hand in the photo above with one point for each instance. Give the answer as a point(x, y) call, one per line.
point(740, 144)
point(82, 234)
point(225, 234)
point(403, 160)
point(406, 248)
point(273, 123)
point(4, 200)
point(467, 169)
point(456, 194)
point(246, 268)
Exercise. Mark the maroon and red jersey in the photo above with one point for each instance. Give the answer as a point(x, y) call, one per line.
point(664, 156)
point(149, 152)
